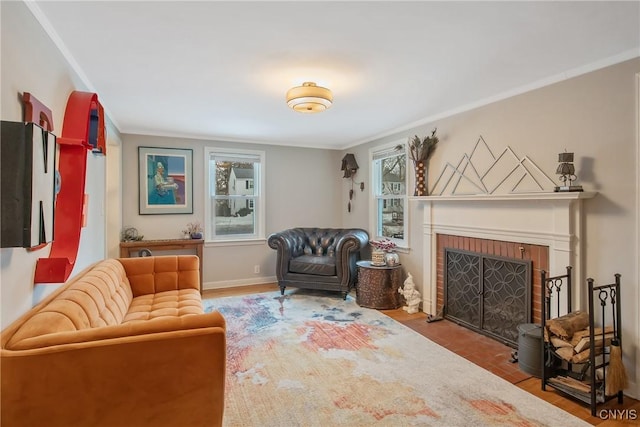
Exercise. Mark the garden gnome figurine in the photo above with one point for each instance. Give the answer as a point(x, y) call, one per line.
point(411, 295)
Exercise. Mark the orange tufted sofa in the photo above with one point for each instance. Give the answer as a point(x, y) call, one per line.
point(124, 343)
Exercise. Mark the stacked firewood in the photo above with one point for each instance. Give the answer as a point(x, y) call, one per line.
point(569, 336)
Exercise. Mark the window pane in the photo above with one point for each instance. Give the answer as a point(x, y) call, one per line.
point(390, 191)
point(234, 178)
point(234, 216)
point(391, 218)
point(392, 175)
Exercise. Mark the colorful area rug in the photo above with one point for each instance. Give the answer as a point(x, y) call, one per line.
point(313, 359)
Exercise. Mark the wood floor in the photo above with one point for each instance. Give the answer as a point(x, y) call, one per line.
point(484, 352)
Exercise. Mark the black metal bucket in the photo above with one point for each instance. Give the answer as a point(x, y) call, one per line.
point(530, 349)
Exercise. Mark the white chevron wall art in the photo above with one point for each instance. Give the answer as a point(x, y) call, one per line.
point(482, 172)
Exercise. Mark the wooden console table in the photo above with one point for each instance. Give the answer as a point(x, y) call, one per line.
point(164, 245)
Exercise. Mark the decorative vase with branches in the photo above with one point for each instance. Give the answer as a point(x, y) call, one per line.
point(420, 150)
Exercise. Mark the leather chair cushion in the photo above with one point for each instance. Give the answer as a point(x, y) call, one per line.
point(320, 249)
point(313, 264)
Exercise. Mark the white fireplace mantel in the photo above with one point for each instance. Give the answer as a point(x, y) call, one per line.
point(561, 195)
point(552, 219)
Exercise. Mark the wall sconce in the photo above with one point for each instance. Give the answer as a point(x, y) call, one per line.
point(350, 167)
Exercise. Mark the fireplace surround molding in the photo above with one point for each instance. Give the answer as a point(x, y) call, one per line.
point(548, 219)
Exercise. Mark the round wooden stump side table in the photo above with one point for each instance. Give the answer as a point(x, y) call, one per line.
point(378, 286)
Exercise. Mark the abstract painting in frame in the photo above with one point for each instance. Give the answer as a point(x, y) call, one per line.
point(165, 180)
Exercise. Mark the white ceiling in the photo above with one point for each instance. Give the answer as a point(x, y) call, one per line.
point(220, 70)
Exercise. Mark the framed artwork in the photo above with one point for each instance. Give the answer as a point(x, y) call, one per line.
point(165, 181)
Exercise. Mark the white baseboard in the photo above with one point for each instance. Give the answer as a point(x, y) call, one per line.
point(239, 282)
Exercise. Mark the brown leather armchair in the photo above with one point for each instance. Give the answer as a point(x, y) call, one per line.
point(318, 258)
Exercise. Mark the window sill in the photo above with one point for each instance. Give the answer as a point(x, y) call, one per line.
point(222, 243)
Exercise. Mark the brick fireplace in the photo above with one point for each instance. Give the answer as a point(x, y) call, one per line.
point(537, 254)
point(546, 228)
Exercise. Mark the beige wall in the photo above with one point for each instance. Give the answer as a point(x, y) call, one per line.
point(301, 191)
point(31, 63)
point(593, 115)
point(113, 196)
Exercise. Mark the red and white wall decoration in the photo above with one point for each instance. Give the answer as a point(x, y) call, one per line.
point(29, 181)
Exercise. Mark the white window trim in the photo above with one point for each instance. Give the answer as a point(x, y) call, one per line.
point(259, 237)
point(402, 244)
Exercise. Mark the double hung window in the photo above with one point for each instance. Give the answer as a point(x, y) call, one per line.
point(235, 199)
point(389, 178)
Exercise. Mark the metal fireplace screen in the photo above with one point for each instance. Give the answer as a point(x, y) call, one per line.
point(486, 293)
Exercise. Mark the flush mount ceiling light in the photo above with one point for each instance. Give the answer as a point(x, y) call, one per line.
point(309, 98)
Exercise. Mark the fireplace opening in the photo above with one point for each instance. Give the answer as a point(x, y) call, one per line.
point(519, 251)
point(489, 294)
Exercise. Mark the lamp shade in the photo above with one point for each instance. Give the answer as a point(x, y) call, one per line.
point(565, 157)
point(309, 98)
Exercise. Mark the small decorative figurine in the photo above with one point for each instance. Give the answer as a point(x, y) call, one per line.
point(411, 295)
point(193, 230)
point(567, 172)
